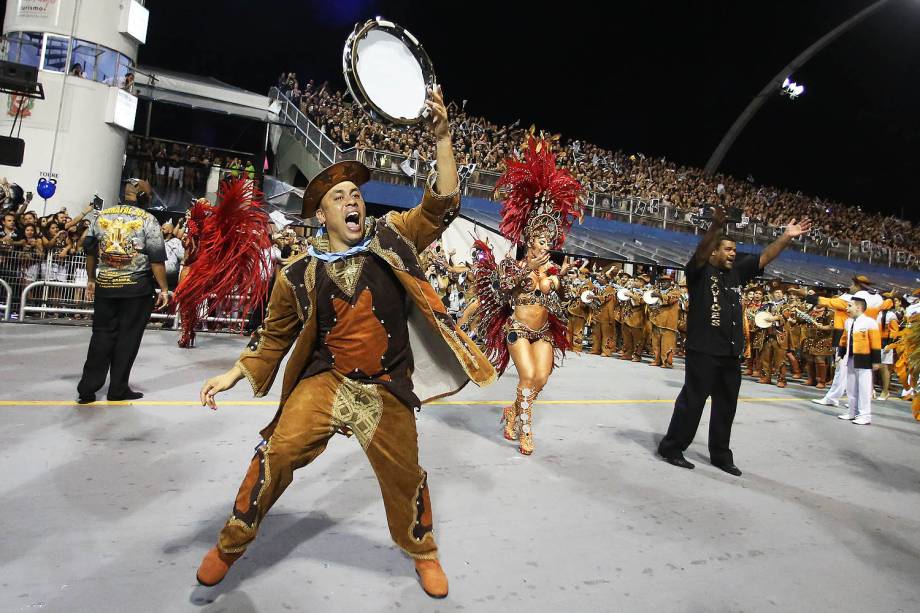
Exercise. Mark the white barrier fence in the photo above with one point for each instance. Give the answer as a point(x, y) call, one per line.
point(7, 303)
point(39, 287)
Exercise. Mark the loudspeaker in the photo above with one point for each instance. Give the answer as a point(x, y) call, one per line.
point(23, 73)
point(11, 150)
point(20, 79)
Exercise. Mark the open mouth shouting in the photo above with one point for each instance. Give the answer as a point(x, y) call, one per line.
point(353, 221)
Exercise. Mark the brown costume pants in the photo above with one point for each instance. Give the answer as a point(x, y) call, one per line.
point(317, 408)
point(576, 332)
point(633, 342)
point(664, 343)
point(605, 343)
point(772, 355)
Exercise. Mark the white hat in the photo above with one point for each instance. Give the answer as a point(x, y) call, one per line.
point(872, 300)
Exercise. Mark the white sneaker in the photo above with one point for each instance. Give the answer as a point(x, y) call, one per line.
point(846, 416)
point(862, 420)
point(826, 402)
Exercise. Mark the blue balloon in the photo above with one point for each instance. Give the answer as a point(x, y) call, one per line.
point(46, 187)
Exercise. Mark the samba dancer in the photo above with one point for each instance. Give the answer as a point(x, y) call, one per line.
point(522, 317)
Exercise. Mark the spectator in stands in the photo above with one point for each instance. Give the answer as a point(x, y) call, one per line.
point(615, 173)
point(174, 254)
point(32, 239)
point(176, 166)
point(10, 235)
point(160, 161)
point(128, 83)
point(54, 237)
point(76, 70)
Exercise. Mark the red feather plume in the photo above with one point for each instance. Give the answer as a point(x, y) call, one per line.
point(230, 271)
point(526, 181)
point(493, 311)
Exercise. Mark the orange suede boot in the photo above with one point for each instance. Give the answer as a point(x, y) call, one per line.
point(215, 565)
point(432, 577)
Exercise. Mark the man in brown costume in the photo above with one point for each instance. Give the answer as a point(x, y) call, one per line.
point(634, 321)
point(663, 316)
point(356, 352)
point(607, 319)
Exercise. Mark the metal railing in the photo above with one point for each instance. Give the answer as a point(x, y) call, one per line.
point(50, 285)
point(7, 303)
point(648, 212)
point(87, 308)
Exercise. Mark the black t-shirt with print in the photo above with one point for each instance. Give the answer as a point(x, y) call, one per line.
point(714, 320)
point(15, 234)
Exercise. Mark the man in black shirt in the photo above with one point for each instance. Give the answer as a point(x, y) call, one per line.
point(716, 276)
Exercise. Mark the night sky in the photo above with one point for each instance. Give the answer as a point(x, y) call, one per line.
point(663, 78)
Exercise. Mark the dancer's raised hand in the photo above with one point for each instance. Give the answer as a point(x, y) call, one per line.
point(219, 384)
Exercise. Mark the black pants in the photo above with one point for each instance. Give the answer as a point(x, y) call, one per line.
point(705, 376)
point(118, 326)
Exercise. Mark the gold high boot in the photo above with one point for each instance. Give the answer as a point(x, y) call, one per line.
point(525, 414)
point(509, 417)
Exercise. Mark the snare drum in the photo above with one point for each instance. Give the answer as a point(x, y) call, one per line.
point(388, 73)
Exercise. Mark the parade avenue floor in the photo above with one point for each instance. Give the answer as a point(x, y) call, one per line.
point(110, 507)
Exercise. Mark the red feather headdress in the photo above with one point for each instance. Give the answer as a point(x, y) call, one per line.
point(539, 197)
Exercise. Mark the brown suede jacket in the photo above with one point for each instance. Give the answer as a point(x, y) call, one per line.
point(397, 238)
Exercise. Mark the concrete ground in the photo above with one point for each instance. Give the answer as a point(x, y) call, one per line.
point(111, 507)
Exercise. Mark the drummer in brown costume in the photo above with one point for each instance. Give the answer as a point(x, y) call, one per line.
point(607, 318)
point(578, 311)
point(818, 347)
point(753, 335)
point(633, 321)
point(342, 308)
point(776, 340)
point(663, 316)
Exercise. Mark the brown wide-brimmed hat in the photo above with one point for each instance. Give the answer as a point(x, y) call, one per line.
point(666, 277)
point(356, 172)
point(862, 280)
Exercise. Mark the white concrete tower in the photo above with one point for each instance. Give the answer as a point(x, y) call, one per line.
point(83, 49)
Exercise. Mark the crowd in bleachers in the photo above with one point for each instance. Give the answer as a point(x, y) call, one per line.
point(622, 175)
point(171, 165)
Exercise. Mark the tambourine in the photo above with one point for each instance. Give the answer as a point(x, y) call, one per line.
point(763, 319)
point(650, 299)
point(388, 72)
point(623, 295)
point(588, 296)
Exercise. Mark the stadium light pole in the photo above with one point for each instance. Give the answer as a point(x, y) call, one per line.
point(773, 84)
